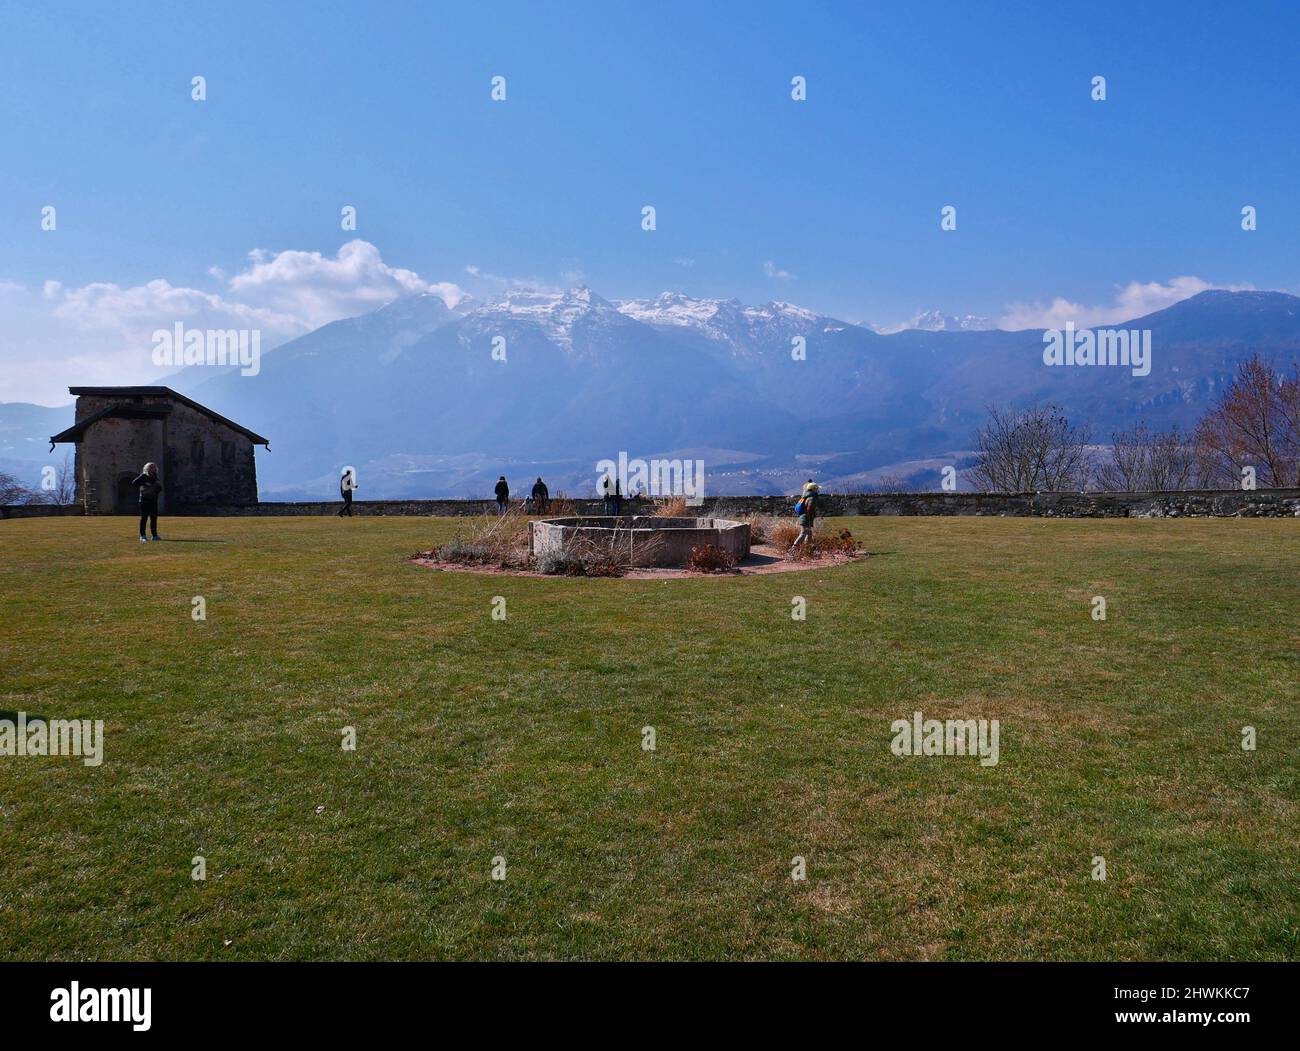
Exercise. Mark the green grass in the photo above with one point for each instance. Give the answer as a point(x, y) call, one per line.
point(522, 738)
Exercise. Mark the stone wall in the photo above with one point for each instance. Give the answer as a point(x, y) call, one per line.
point(40, 510)
point(206, 462)
point(1219, 503)
point(646, 540)
point(111, 451)
point(1223, 503)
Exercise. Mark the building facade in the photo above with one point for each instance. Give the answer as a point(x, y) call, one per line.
point(203, 458)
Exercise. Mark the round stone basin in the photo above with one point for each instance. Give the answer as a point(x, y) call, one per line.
point(649, 540)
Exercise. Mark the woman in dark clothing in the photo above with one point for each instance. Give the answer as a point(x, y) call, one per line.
point(150, 489)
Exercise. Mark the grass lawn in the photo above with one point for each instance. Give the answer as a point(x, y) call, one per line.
point(522, 738)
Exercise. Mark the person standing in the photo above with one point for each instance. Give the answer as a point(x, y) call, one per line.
point(347, 484)
point(503, 495)
point(607, 493)
point(540, 495)
point(808, 510)
point(150, 489)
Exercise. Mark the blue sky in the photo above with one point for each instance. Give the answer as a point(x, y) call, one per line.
point(832, 203)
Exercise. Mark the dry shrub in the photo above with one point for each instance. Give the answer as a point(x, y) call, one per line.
point(496, 540)
point(825, 544)
point(782, 532)
point(560, 506)
point(669, 507)
point(459, 549)
point(709, 558)
point(579, 560)
point(841, 543)
point(802, 553)
point(581, 556)
point(761, 528)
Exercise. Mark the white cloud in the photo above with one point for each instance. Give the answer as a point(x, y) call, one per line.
point(102, 332)
point(317, 289)
point(495, 284)
point(771, 270)
point(1133, 300)
point(109, 308)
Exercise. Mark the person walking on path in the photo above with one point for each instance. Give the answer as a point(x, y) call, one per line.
point(150, 489)
point(807, 507)
point(347, 484)
point(540, 495)
point(503, 495)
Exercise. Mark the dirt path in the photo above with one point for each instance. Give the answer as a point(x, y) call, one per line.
point(762, 559)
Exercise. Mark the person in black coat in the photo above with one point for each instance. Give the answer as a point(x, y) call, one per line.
point(150, 489)
point(540, 495)
point(503, 494)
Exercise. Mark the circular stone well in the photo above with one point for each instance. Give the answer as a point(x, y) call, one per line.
point(648, 540)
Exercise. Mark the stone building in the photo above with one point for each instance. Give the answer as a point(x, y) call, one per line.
point(203, 458)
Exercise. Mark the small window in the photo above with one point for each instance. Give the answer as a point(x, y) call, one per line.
point(196, 452)
point(227, 452)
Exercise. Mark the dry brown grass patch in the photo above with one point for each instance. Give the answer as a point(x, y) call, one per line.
point(709, 558)
point(669, 507)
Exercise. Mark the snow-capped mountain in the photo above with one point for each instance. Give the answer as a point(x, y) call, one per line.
point(744, 329)
point(938, 321)
point(414, 397)
point(559, 316)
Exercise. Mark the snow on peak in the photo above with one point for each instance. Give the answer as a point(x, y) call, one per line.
point(937, 321)
point(676, 308)
point(775, 311)
point(723, 320)
point(554, 312)
point(534, 302)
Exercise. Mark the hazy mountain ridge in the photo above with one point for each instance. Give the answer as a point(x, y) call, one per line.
point(411, 394)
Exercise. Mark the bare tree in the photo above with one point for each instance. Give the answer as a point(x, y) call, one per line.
point(65, 482)
point(888, 483)
point(1288, 398)
point(1030, 450)
point(1143, 460)
point(1255, 424)
point(13, 491)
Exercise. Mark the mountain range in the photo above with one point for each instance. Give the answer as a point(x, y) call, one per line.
point(427, 400)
